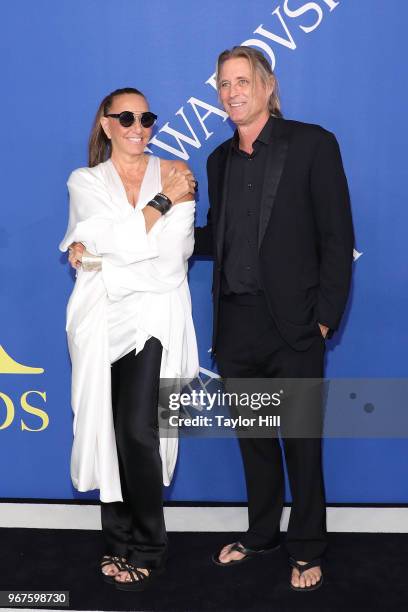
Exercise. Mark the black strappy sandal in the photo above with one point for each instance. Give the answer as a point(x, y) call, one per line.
point(248, 552)
point(118, 562)
point(303, 568)
point(138, 580)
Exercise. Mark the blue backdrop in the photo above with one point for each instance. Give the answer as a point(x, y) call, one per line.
point(340, 64)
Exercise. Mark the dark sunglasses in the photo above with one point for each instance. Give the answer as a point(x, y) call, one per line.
point(127, 118)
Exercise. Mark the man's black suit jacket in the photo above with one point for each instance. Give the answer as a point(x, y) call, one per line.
point(305, 240)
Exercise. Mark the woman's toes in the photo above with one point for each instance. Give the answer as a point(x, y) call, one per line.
point(109, 570)
point(120, 577)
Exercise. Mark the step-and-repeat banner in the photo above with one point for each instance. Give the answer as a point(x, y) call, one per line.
point(340, 63)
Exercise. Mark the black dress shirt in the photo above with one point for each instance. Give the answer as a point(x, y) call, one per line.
point(241, 262)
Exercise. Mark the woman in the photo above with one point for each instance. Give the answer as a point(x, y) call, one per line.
point(129, 324)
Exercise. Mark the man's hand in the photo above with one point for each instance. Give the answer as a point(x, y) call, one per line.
point(323, 330)
point(178, 183)
point(76, 250)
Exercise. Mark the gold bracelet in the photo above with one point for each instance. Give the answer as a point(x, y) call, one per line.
point(91, 262)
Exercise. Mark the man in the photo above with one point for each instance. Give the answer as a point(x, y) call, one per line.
point(280, 230)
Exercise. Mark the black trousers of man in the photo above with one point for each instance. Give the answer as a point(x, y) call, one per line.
point(249, 346)
point(135, 528)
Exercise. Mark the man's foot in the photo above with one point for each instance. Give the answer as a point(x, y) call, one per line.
point(235, 553)
point(308, 579)
point(229, 553)
point(111, 566)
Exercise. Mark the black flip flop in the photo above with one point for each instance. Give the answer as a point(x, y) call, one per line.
point(248, 552)
point(303, 568)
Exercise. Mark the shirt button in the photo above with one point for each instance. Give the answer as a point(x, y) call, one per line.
point(247, 268)
point(249, 185)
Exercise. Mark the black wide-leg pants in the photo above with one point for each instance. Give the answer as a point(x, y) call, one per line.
point(249, 346)
point(135, 528)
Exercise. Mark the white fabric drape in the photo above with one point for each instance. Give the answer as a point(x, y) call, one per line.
point(141, 291)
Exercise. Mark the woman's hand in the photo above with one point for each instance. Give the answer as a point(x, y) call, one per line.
point(178, 184)
point(75, 250)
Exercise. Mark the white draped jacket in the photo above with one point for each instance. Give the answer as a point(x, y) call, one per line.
point(141, 291)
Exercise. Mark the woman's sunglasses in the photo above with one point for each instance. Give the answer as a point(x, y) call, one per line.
point(127, 118)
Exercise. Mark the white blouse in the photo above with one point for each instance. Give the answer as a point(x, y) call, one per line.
point(141, 291)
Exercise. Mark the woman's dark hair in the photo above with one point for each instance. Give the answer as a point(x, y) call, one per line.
point(99, 146)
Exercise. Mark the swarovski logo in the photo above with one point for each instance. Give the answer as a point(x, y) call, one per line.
point(9, 366)
point(279, 32)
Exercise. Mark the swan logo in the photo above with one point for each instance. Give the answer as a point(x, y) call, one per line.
point(9, 366)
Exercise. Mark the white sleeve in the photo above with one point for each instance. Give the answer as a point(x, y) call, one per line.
point(174, 235)
point(94, 221)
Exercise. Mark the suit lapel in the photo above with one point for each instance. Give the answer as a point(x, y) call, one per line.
point(223, 191)
point(275, 161)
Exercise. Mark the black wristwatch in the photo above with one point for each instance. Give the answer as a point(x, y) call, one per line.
point(161, 203)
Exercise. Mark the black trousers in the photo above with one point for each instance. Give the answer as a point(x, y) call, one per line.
point(249, 346)
point(135, 528)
